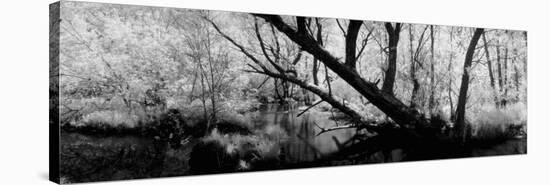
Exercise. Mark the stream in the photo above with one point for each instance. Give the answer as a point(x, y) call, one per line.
point(96, 158)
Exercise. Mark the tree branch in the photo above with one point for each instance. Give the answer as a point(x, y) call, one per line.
point(341, 28)
point(313, 105)
point(243, 50)
point(364, 44)
point(324, 130)
point(349, 109)
point(262, 46)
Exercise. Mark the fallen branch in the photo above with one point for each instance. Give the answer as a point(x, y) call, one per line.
point(265, 80)
point(323, 130)
point(304, 111)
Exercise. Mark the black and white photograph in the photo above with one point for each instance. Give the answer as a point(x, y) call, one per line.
point(143, 92)
point(247, 92)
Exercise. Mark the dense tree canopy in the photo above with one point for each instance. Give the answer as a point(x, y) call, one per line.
point(146, 59)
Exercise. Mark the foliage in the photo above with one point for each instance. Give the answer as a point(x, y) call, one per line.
point(235, 151)
point(493, 123)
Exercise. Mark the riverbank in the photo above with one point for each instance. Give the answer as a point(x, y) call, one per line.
point(273, 137)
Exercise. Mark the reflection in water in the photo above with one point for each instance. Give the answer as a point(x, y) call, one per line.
point(90, 158)
point(95, 158)
point(302, 143)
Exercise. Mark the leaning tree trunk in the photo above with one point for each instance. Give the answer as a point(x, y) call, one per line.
point(280, 74)
point(386, 102)
point(461, 107)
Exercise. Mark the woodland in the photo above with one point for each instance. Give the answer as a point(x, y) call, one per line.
point(148, 91)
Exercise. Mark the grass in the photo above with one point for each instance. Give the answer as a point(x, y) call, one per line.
point(234, 143)
point(111, 119)
point(235, 151)
point(262, 140)
point(500, 124)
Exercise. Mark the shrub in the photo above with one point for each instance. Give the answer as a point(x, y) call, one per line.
point(113, 119)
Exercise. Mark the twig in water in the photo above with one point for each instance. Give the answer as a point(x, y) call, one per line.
point(304, 111)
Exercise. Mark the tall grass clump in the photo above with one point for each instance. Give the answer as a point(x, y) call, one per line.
point(493, 123)
point(221, 150)
point(224, 152)
point(262, 140)
point(234, 143)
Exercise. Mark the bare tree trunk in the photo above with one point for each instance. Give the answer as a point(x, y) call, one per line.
point(460, 126)
point(415, 61)
point(276, 86)
point(449, 71)
point(203, 98)
point(499, 69)
point(490, 69)
point(516, 80)
point(212, 80)
point(431, 101)
point(416, 85)
point(351, 43)
point(315, 69)
point(193, 86)
point(504, 99)
point(393, 39)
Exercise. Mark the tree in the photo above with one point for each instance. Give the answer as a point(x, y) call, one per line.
point(415, 61)
point(490, 69)
point(384, 100)
point(449, 70)
point(462, 98)
point(315, 68)
point(431, 101)
point(393, 39)
point(351, 42)
point(275, 70)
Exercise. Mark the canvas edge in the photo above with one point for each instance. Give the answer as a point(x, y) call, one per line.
point(54, 41)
